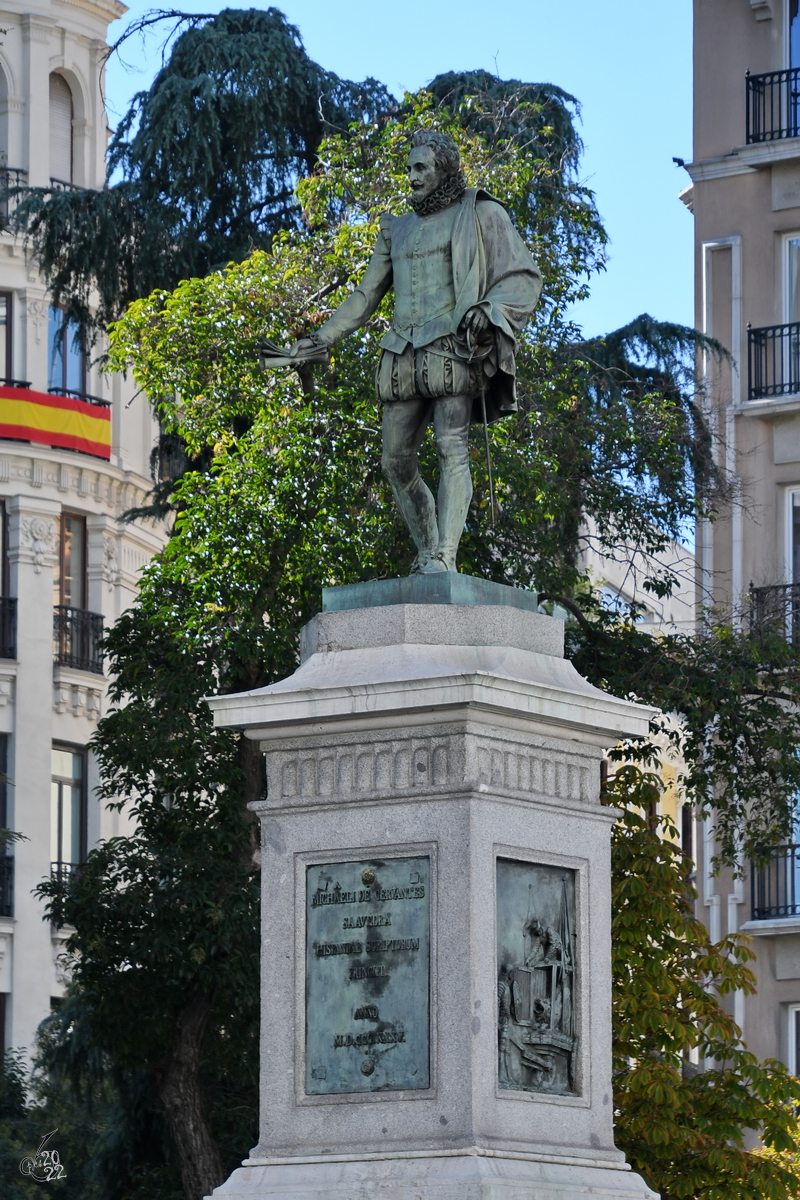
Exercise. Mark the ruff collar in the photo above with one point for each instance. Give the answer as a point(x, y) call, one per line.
point(451, 189)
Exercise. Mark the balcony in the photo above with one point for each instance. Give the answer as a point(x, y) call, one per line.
point(8, 627)
point(63, 872)
point(773, 361)
point(773, 106)
point(76, 634)
point(776, 606)
point(69, 421)
point(10, 178)
point(72, 394)
point(65, 185)
point(6, 885)
point(776, 888)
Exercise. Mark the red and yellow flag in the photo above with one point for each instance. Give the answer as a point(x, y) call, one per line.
point(55, 420)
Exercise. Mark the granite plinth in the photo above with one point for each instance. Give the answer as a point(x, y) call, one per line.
point(460, 1177)
point(457, 734)
point(445, 587)
point(424, 659)
point(432, 624)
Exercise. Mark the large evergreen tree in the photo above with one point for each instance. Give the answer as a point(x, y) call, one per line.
point(201, 169)
point(288, 496)
point(285, 494)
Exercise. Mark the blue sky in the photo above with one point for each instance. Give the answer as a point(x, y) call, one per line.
point(627, 61)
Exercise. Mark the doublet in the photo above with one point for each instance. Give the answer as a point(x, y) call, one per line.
point(467, 255)
point(420, 249)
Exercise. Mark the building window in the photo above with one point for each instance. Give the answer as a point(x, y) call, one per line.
point(793, 535)
point(67, 808)
point(794, 1039)
point(794, 33)
point(687, 831)
point(70, 585)
point(5, 573)
point(4, 780)
point(61, 113)
point(5, 337)
point(791, 274)
point(66, 361)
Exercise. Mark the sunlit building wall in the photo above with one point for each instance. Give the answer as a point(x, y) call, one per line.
point(75, 446)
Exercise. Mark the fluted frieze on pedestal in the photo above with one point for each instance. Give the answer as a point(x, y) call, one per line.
point(427, 764)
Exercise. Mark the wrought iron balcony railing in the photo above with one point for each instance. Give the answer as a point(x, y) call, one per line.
point(776, 888)
point(15, 383)
point(65, 185)
point(10, 178)
point(63, 872)
point(776, 606)
point(773, 361)
point(76, 634)
point(86, 397)
point(8, 627)
point(6, 885)
point(773, 106)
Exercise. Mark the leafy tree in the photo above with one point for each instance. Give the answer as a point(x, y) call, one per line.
point(183, 1013)
point(288, 496)
point(737, 696)
point(110, 1141)
point(201, 169)
point(666, 1006)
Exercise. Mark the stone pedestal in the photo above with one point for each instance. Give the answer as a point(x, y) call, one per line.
point(436, 981)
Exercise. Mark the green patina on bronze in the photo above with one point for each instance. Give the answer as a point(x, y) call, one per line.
point(368, 976)
point(464, 285)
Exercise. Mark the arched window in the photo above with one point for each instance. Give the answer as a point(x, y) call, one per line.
point(60, 130)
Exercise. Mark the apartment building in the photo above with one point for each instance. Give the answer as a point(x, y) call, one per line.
point(745, 197)
point(74, 456)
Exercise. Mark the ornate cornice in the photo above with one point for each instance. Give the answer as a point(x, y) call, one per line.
point(105, 11)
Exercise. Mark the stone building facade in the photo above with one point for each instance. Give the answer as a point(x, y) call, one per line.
point(74, 456)
point(745, 197)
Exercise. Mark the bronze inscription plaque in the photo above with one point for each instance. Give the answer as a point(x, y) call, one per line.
point(368, 976)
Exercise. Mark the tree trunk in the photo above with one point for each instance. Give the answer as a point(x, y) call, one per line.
point(182, 1097)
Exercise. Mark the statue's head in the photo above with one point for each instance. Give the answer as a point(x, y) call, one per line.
point(432, 160)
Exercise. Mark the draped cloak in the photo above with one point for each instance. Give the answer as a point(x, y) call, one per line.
point(489, 267)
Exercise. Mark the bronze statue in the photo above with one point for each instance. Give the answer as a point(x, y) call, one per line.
point(464, 285)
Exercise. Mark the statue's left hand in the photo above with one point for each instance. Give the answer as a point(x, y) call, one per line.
point(474, 325)
point(305, 345)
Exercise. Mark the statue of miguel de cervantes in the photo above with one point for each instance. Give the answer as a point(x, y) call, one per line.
point(464, 285)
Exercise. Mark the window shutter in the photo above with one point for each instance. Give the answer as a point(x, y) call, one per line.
point(60, 129)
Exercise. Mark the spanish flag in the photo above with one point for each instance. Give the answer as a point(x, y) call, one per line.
point(56, 421)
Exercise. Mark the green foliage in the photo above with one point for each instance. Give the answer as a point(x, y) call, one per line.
point(111, 1143)
point(31, 1106)
point(166, 919)
point(286, 495)
point(538, 117)
point(608, 429)
point(680, 1126)
point(736, 696)
point(201, 169)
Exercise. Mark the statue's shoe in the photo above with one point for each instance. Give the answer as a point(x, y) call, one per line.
point(421, 562)
point(440, 561)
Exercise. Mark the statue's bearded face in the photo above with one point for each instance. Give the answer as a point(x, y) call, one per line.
point(423, 173)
